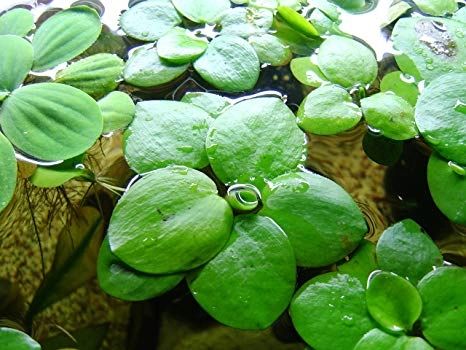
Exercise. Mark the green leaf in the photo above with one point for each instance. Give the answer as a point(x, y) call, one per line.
point(402, 85)
point(211, 103)
point(297, 21)
point(171, 220)
point(33, 120)
point(271, 50)
point(49, 177)
point(117, 110)
point(166, 133)
point(12, 339)
point(202, 11)
point(18, 22)
point(328, 110)
point(96, 75)
point(323, 23)
point(347, 62)
point(447, 185)
point(407, 251)
point(64, 36)
point(298, 43)
point(460, 15)
point(251, 281)
point(123, 282)
point(395, 11)
point(350, 5)
point(269, 4)
point(246, 21)
point(146, 69)
point(90, 338)
point(329, 312)
point(440, 115)
point(433, 44)
point(329, 9)
point(229, 64)
point(381, 149)
point(361, 263)
point(391, 115)
point(442, 320)
point(180, 46)
point(322, 221)
point(15, 61)
point(8, 170)
point(437, 7)
point(294, 4)
point(254, 140)
point(377, 339)
point(150, 20)
point(307, 72)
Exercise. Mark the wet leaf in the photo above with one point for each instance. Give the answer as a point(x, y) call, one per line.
point(180, 46)
point(393, 302)
point(64, 36)
point(328, 110)
point(8, 171)
point(117, 110)
point(440, 115)
point(202, 11)
point(322, 221)
point(145, 68)
point(12, 339)
point(149, 20)
point(96, 75)
point(167, 133)
point(307, 72)
point(377, 339)
point(33, 121)
point(401, 85)
point(90, 338)
point(246, 21)
point(442, 320)
point(347, 62)
point(211, 103)
point(255, 269)
point(407, 251)
point(447, 185)
point(15, 62)
point(18, 22)
point(329, 312)
point(361, 263)
point(123, 282)
point(230, 64)
point(270, 50)
point(391, 115)
point(381, 149)
point(171, 220)
point(254, 140)
point(437, 7)
point(297, 21)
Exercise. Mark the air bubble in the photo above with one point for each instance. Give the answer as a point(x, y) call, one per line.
point(458, 169)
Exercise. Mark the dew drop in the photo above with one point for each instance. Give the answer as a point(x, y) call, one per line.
point(409, 79)
point(80, 166)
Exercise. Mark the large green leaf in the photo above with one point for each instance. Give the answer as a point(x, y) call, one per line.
point(8, 170)
point(361, 263)
point(167, 133)
point(90, 338)
point(322, 221)
point(251, 281)
point(443, 318)
point(64, 36)
point(15, 61)
point(117, 110)
point(211, 103)
point(329, 312)
point(440, 115)
point(202, 11)
point(180, 46)
point(377, 339)
point(437, 7)
point(12, 339)
point(18, 21)
point(51, 121)
point(171, 220)
point(229, 63)
point(253, 141)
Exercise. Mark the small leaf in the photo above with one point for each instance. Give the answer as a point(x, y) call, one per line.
point(8, 171)
point(180, 46)
point(323, 23)
point(381, 149)
point(442, 320)
point(402, 85)
point(33, 120)
point(393, 302)
point(377, 339)
point(12, 339)
point(299, 44)
point(146, 69)
point(255, 268)
point(96, 75)
point(307, 72)
point(45, 177)
point(202, 11)
point(64, 36)
point(390, 114)
point(18, 22)
point(15, 61)
point(211, 103)
point(329, 312)
point(230, 64)
point(350, 5)
point(270, 50)
point(297, 21)
point(117, 110)
point(172, 220)
point(361, 263)
point(90, 338)
point(149, 20)
point(166, 133)
point(395, 11)
point(437, 7)
point(246, 21)
point(328, 110)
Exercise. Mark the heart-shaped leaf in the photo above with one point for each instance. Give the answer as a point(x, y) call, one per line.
point(377, 339)
point(246, 21)
point(15, 61)
point(64, 36)
point(402, 85)
point(211, 103)
point(117, 110)
point(270, 49)
point(361, 263)
point(12, 339)
point(51, 121)
point(437, 7)
point(8, 170)
point(307, 72)
point(171, 220)
point(18, 22)
point(202, 11)
point(255, 268)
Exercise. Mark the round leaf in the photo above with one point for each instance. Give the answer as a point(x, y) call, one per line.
point(202, 11)
point(381, 149)
point(251, 281)
point(307, 72)
point(122, 282)
point(322, 221)
point(390, 114)
point(437, 7)
point(15, 61)
point(149, 20)
point(12, 339)
point(393, 302)
point(447, 185)
point(246, 21)
point(230, 64)
point(329, 312)
point(270, 50)
point(211, 103)
point(297, 21)
point(8, 170)
point(64, 36)
point(377, 339)
point(117, 110)
point(328, 110)
point(402, 85)
point(443, 318)
point(171, 220)
point(180, 46)
point(361, 263)
point(165, 133)
point(18, 21)
point(33, 120)
point(347, 62)
point(253, 141)
point(440, 116)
